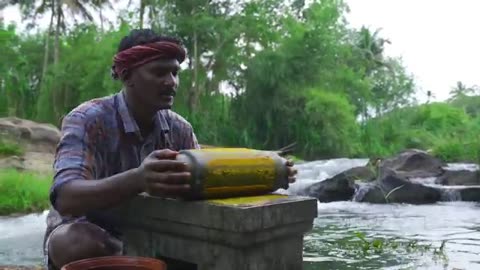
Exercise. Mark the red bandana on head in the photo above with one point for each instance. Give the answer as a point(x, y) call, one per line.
point(142, 54)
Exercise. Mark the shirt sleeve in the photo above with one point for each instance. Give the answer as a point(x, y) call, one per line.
point(75, 157)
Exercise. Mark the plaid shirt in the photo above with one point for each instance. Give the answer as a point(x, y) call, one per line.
point(100, 139)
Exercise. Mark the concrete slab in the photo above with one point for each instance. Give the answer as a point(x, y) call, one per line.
point(260, 232)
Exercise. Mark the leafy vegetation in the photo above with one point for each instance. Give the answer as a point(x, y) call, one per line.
point(350, 249)
point(378, 245)
point(8, 148)
point(252, 78)
point(22, 192)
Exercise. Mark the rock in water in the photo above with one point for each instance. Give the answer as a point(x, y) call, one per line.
point(340, 187)
point(362, 173)
point(459, 178)
point(392, 188)
point(413, 163)
point(470, 194)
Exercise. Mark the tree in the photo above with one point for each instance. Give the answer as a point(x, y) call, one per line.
point(461, 90)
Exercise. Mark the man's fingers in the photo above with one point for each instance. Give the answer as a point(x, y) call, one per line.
point(291, 179)
point(290, 162)
point(167, 165)
point(292, 171)
point(161, 189)
point(165, 154)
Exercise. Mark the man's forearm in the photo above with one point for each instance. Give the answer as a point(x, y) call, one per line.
point(78, 197)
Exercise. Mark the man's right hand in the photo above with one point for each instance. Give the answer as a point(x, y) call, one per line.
point(162, 175)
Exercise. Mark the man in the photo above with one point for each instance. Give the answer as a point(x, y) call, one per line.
point(115, 147)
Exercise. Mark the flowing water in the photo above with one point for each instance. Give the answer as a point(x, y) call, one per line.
point(346, 235)
point(351, 235)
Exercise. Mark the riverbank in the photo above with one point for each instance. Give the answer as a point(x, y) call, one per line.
point(23, 192)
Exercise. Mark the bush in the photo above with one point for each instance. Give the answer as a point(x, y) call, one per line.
point(439, 117)
point(458, 150)
point(332, 131)
point(22, 192)
point(441, 127)
point(10, 149)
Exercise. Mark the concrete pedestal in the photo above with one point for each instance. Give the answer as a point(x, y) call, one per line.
point(249, 233)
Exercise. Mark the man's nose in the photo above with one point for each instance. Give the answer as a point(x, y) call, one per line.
point(170, 80)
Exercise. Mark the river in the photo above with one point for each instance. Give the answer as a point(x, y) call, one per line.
point(346, 235)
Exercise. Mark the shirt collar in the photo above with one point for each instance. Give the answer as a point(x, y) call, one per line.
point(129, 123)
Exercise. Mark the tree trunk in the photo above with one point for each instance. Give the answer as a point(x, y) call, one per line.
point(47, 48)
point(56, 59)
point(142, 12)
point(193, 97)
point(101, 19)
point(56, 56)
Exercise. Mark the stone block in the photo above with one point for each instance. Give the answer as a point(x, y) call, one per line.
point(248, 233)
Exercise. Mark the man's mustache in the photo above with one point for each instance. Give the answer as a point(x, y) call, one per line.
point(168, 92)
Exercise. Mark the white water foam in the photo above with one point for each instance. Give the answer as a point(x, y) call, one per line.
point(462, 166)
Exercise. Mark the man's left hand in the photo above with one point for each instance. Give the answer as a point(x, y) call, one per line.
point(291, 171)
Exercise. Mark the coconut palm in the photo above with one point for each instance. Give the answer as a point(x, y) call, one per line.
point(372, 47)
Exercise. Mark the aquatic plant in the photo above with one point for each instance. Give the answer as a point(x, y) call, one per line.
point(379, 245)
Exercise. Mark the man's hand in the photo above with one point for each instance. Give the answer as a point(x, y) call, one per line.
point(291, 171)
point(162, 175)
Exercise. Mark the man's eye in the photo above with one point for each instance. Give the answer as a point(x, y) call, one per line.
point(160, 73)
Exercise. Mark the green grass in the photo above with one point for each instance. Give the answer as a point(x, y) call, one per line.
point(9, 148)
point(23, 192)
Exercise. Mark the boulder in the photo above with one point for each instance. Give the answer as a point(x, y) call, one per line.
point(413, 163)
point(12, 162)
point(361, 173)
point(340, 187)
point(39, 137)
point(459, 178)
point(392, 188)
point(470, 194)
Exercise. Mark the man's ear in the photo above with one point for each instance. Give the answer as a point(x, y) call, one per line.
point(127, 79)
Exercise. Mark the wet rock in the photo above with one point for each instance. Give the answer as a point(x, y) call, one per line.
point(341, 187)
point(459, 178)
point(413, 163)
point(392, 188)
point(362, 173)
point(370, 193)
point(470, 194)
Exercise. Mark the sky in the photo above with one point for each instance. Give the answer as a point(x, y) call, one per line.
point(438, 40)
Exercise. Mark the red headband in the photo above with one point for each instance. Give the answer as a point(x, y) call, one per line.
point(142, 54)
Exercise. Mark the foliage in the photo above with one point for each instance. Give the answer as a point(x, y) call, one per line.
point(377, 245)
point(22, 192)
point(369, 250)
point(337, 132)
point(305, 76)
point(8, 148)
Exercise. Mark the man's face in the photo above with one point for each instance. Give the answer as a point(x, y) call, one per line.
point(155, 83)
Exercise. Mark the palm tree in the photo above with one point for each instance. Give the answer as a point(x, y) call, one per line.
point(372, 47)
point(98, 5)
point(153, 9)
point(461, 90)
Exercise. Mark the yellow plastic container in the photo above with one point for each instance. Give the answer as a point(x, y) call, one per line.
point(233, 172)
